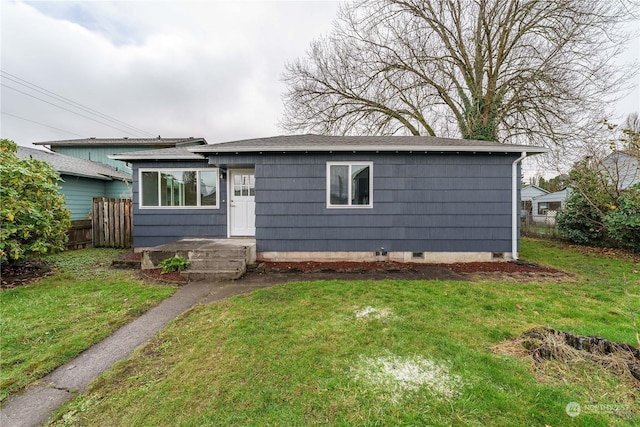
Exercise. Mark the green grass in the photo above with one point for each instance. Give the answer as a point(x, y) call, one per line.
point(300, 354)
point(47, 323)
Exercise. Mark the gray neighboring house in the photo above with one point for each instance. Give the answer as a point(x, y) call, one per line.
point(313, 197)
point(545, 208)
point(82, 180)
point(622, 168)
point(527, 194)
point(99, 149)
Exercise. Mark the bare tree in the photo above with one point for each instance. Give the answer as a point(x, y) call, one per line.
point(532, 71)
point(631, 130)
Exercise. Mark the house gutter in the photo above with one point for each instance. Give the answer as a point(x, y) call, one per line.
point(515, 205)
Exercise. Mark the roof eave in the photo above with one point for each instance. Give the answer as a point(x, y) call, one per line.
point(124, 157)
point(371, 148)
point(81, 175)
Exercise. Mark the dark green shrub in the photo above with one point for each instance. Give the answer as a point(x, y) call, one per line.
point(33, 217)
point(623, 220)
point(580, 222)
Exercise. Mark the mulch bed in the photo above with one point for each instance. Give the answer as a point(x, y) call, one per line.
point(463, 267)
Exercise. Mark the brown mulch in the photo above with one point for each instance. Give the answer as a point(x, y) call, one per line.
point(171, 277)
point(501, 267)
point(132, 256)
point(463, 267)
point(281, 272)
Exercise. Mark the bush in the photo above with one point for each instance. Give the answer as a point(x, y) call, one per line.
point(173, 264)
point(33, 216)
point(623, 220)
point(614, 222)
point(580, 222)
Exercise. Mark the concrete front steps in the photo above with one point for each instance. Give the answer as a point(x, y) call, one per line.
point(211, 259)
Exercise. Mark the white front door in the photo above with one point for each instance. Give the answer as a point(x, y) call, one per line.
point(242, 203)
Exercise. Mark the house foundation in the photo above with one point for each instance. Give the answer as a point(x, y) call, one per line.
point(404, 257)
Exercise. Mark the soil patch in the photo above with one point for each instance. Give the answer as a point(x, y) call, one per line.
point(18, 274)
point(282, 272)
point(171, 277)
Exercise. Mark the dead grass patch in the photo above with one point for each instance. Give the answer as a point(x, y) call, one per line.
point(562, 357)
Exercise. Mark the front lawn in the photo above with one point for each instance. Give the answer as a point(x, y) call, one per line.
point(50, 321)
point(381, 353)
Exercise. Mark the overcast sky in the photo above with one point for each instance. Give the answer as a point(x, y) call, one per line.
point(201, 68)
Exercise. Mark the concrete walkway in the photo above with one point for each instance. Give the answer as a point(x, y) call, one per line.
point(38, 403)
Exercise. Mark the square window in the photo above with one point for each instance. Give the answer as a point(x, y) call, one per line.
point(349, 184)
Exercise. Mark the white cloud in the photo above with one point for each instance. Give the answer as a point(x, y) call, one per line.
point(207, 69)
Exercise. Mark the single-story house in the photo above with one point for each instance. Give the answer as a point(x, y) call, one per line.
point(313, 197)
point(82, 180)
point(527, 194)
point(545, 207)
point(99, 149)
point(622, 168)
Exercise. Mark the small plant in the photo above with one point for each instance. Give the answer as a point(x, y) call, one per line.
point(175, 263)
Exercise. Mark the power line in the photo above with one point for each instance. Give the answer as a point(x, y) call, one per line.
point(74, 104)
point(41, 124)
point(36, 88)
point(66, 109)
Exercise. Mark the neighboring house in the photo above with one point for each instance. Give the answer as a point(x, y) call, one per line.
point(527, 195)
point(623, 168)
point(99, 149)
point(544, 208)
point(311, 197)
point(82, 180)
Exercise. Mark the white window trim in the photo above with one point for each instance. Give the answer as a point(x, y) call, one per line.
point(328, 183)
point(161, 170)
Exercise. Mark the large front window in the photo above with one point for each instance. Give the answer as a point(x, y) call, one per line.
point(179, 188)
point(349, 184)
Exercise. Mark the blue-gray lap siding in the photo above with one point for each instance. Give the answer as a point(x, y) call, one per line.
point(152, 227)
point(79, 192)
point(421, 203)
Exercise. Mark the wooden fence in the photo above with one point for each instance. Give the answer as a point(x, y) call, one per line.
point(80, 234)
point(112, 222)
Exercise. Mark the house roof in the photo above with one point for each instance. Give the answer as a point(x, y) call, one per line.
point(555, 196)
point(97, 142)
point(174, 153)
point(68, 165)
point(322, 143)
point(531, 191)
point(542, 190)
point(310, 142)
